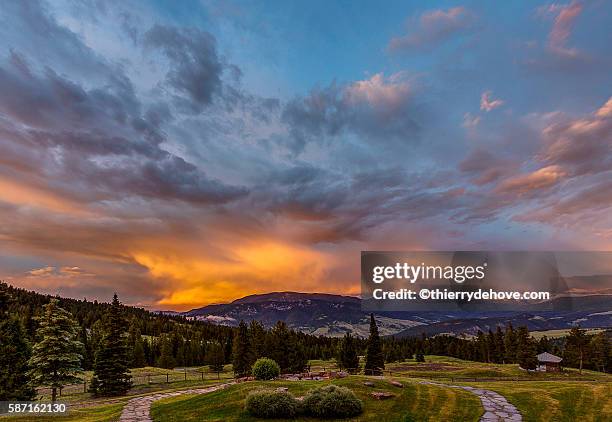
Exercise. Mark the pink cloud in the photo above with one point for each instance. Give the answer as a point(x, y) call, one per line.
point(565, 18)
point(487, 103)
point(433, 27)
point(380, 92)
point(525, 183)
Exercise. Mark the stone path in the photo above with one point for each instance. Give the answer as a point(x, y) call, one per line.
point(138, 409)
point(496, 407)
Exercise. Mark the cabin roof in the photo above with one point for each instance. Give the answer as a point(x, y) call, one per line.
point(547, 357)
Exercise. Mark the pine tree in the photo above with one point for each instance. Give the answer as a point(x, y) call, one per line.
point(374, 362)
point(56, 358)
point(257, 335)
point(215, 358)
point(111, 374)
point(510, 344)
point(241, 360)
point(278, 346)
point(500, 350)
point(347, 355)
point(14, 355)
point(166, 360)
point(600, 352)
point(526, 349)
point(138, 357)
point(575, 347)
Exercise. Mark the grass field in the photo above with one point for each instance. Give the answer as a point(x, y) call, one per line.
point(546, 397)
point(561, 333)
point(557, 401)
point(414, 402)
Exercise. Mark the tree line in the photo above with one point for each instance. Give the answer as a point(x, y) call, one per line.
point(508, 345)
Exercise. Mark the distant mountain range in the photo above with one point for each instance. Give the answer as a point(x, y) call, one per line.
point(334, 315)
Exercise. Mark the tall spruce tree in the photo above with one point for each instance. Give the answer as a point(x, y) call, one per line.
point(347, 354)
point(257, 335)
point(56, 357)
point(526, 349)
point(215, 358)
point(241, 359)
point(576, 347)
point(374, 361)
point(166, 358)
point(111, 375)
point(14, 355)
point(510, 344)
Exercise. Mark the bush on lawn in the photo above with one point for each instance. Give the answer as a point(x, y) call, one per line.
point(272, 404)
point(265, 369)
point(332, 402)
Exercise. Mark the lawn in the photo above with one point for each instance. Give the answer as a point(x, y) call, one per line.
point(557, 401)
point(414, 402)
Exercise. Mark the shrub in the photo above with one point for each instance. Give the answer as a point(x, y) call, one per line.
point(272, 404)
point(332, 402)
point(265, 369)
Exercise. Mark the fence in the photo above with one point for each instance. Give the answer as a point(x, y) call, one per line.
point(146, 379)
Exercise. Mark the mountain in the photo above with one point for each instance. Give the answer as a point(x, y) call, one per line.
point(334, 315)
point(313, 313)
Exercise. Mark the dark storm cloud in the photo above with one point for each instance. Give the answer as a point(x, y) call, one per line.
point(78, 126)
point(195, 67)
point(375, 109)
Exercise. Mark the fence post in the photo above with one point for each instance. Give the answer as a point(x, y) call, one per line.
point(185, 374)
point(202, 373)
point(148, 378)
point(85, 385)
point(167, 378)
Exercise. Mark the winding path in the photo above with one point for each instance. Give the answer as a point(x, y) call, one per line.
point(138, 409)
point(496, 407)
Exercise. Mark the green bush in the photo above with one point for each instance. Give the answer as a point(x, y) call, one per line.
point(332, 402)
point(272, 404)
point(265, 369)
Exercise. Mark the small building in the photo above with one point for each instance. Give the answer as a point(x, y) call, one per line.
point(548, 362)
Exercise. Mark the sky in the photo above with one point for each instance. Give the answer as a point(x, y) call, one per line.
point(194, 152)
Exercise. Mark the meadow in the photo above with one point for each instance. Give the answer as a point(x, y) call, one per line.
point(568, 396)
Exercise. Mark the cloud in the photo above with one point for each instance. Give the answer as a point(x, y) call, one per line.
point(42, 272)
point(433, 27)
point(381, 108)
point(543, 178)
point(582, 145)
point(195, 68)
point(487, 103)
point(564, 20)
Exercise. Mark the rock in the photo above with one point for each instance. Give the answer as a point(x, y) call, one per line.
point(382, 395)
point(368, 383)
point(282, 389)
point(342, 374)
point(397, 384)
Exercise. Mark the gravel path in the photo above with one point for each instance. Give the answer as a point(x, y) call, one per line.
point(138, 409)
point(496, 407)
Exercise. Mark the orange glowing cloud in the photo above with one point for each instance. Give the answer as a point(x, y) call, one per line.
point(246, 268)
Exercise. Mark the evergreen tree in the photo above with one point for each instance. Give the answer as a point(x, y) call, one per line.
point(241, 359)
point(526, 349)
point(500, 350)
point(575, 347)
point(215, 358)
point(257, 335)
point(600, 352)
point(56, 357)
point(111, 374)
point(510, 344)
point(138, 356)
point(347, 354)
point(166, 360)
point(14, 355)
point(374, 362)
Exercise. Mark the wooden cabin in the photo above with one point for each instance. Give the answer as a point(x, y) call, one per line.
point(548, 362)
